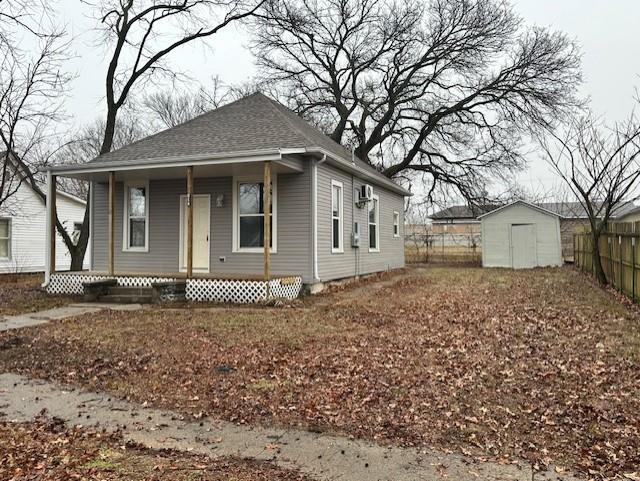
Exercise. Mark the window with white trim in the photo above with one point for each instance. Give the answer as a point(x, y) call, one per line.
point(337, 222)
point(374, 221)
point(77, 230)
point(396, 223)
point(249, 219)
point(5, 238)
point(136, 218)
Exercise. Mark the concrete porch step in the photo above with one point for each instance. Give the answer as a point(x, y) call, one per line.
point(126, 298)
point(120, 290)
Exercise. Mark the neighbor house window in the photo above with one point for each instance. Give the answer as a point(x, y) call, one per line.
point(336, 216)
point(136, 225)
point(77, 230)
point(5, 238)
point(396, 223)
point(249, 224)
point(374, 216)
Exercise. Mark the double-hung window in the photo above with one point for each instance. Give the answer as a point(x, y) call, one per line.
point(5, 238)
point(136, 218)
point(337, 222)
point(374, 221)
point(77, 230)
point(249, 222)
point(396, 223)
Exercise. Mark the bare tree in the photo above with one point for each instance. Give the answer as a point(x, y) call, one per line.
point(600, 166)
point(442, 90)
point(141, 35)
point(22, 15)
point(32, 84)
point(418, 231)
point(84, 144)
point(169, 109)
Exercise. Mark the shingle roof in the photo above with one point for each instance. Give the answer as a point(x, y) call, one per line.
point(567, 210)
point(253, 123)
point(463, 211)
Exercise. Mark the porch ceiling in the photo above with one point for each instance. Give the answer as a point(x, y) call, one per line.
point(219, 168)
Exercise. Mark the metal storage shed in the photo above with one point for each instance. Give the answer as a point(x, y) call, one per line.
point(521, 235)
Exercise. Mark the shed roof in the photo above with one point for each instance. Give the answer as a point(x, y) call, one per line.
point(566, 210)
point(254, 123)
point(463, 211)
point(522, 202)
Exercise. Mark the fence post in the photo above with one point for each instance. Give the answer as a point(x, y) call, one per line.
point(633, 268)
point(620, 263)
point(612, 276)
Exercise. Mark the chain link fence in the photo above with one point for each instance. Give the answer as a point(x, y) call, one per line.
point(445, 248)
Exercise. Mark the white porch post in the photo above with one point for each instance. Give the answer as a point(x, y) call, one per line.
point(111, 223)
point(266, 201)
point(50, 234)
point(190, 222)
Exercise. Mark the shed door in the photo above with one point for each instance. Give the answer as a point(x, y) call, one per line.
point(523, 246)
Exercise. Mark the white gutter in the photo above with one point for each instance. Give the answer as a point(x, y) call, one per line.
point(180, 161)
point(314, 214)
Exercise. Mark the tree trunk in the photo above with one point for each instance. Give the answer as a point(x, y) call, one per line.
point(109, 130)
point(78, 250)
point(598, 271)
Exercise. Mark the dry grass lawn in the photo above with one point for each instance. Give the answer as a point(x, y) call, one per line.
point(21, 293)
point(48, 451)
point(541, 365)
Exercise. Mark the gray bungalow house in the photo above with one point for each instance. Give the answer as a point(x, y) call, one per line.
point(188, 205)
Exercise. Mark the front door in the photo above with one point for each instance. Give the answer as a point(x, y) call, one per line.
point(523, 246)
point(201, 234)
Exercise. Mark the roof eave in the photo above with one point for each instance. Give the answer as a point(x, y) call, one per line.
point(353, 168)
point(220, 158)
point(520, 201)
point(155, 163)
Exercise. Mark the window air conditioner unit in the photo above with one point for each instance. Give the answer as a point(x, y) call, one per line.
point(366, 193)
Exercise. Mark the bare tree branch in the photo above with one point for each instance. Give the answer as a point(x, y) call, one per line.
point(600, 166)
point(442, 91)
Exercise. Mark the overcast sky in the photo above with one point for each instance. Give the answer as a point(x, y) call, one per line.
point(605, 29)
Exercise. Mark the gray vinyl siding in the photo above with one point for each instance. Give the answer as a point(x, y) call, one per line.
point(293, 231)
point(357, 261)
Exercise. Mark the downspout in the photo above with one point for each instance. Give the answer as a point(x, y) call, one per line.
point(356, 267)
point(90, 239)
point(314, 214)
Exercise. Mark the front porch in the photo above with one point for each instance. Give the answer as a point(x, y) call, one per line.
point(211, 225)
point(199, 287)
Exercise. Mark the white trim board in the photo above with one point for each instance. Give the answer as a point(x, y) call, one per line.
point(125, 215)
point(235, 237)
point(375, 197)
point(524, 202)
point(340, 248)
point(183, 268)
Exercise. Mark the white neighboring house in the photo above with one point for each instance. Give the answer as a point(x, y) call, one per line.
point(23, 230)
point(521, 235)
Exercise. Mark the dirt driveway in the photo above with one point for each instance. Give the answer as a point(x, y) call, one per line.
point(540, 365)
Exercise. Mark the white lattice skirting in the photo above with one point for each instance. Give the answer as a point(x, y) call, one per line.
point(238, 291)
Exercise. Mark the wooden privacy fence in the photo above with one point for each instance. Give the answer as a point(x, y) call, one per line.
point(619, 255)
